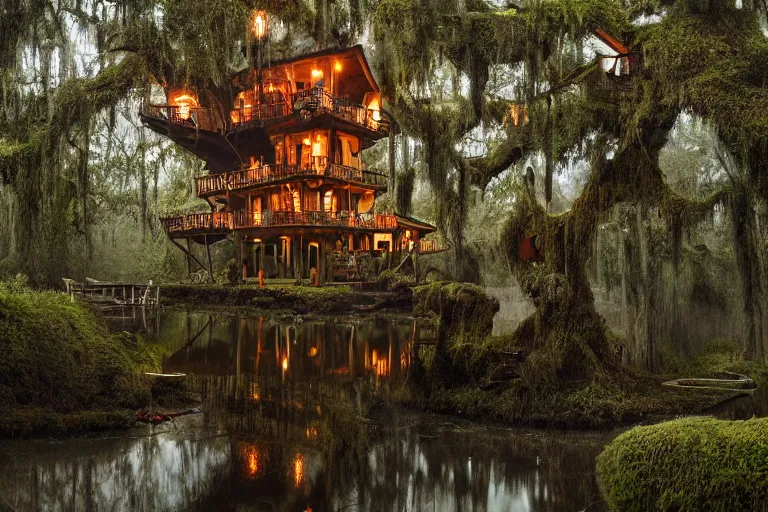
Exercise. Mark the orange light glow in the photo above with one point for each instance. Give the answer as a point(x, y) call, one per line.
point(185, 102)
point(250, 456)
point(298, 470)
point(374, 358)
point(260, 24)
point(337, 66)
point(311, 433)
point(285, 363)
point(307, 142)
point(317, 73)
point(312, 352)
point(270, 88)
point(373, 106)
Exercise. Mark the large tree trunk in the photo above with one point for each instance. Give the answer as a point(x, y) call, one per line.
point(749, 256)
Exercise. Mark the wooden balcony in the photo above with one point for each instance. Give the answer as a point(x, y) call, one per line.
point(314, 101)
point(341, 219)
point(198, 117)
point(246, 178)
point(208, 222)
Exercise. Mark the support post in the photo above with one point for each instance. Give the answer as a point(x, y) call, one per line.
point(210, 263)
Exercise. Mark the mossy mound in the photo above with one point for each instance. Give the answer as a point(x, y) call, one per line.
point(297, 299)
point(460, 307)
point(59, 356)
point(688, 465)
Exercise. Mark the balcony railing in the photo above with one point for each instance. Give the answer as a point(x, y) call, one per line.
point(244, 115)
point(197, 117)
point(318, 99)
point(430, 246)
point(244, 178)
point(315, 101)
point(207, 222)
point(344, 218)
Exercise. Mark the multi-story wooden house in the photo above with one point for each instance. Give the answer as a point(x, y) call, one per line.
point(286, 177)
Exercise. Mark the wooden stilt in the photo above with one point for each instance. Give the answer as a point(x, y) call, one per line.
point(189, 262)
point(210, 263)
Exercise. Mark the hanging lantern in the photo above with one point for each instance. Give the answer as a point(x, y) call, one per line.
point(185, 101)
point(259, 25)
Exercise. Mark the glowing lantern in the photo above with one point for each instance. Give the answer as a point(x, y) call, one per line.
point(316, 74)
point(373, 106)
point(285, 364)
point(307, 141)
point(337, 66)
point(185, 102)
point(312, 352)
point(259, 26)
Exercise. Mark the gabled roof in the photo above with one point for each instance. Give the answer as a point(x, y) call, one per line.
point(355, 51)
point(612, 43)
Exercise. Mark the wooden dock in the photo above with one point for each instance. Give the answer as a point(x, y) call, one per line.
point(115, 295)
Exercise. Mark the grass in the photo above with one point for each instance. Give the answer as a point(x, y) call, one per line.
point(690, 464)
point(60, 359)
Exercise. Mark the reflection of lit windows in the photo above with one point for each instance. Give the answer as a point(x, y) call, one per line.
point(250, 455)
point(298, 470)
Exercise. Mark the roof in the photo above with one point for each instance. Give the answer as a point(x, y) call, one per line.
point(414, 223)
point(612, 43)
point(356, 51)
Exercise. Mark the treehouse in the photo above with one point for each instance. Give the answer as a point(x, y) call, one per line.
point(287, 182)
point(616, 60)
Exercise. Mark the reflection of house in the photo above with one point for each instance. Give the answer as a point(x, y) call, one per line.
point(287, 177)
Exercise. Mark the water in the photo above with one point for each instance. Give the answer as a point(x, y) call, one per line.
point(285, 428)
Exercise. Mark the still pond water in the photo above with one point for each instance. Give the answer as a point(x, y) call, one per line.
point(283, 430)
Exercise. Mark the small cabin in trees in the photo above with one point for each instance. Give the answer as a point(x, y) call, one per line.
point(615, 59)
point(286, 177)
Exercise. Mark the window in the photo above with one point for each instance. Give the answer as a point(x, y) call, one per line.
point(329, 202)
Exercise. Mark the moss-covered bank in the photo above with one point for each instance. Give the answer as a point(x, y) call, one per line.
point(62, 370)
point(295, 299)
point(690, 464)
point(472, 373)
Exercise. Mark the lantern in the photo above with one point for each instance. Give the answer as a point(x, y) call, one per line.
point(259, 26)
point(185, 101)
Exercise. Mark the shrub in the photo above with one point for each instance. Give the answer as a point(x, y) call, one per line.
point(688, 465)
point(59, 355)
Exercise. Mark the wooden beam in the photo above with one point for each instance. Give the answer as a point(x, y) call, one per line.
point(187, 252)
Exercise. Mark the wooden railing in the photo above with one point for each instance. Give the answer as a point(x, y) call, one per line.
point(199, 117)
point(315, 100)
point(319, 99)
point(244, 115)
point(244, 178)
point(344, 218)
point(430, 246)
point(208, 221)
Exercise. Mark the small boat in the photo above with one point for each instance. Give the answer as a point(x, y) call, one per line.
point(732, 382)
point(166, 377)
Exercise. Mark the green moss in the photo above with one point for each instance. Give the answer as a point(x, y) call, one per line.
point(58, 355)
point(688, 465)
point(36, 422)
point(298, 299)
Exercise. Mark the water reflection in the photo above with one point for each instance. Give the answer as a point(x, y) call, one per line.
point(286, 426)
